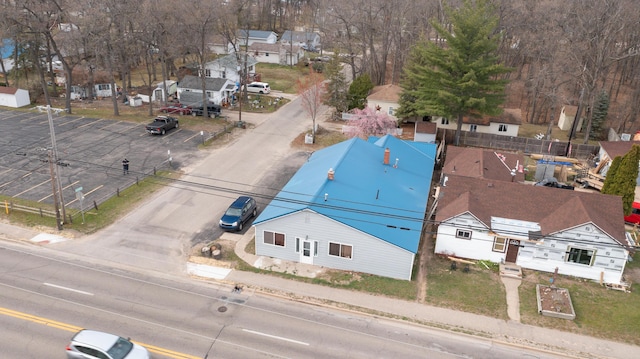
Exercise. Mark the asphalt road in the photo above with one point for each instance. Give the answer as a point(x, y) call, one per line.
point(90, 154)
point(47, 296)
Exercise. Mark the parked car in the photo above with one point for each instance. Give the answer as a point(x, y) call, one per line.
point(634, 217)
point(177, 108)
point(239, 212)
point(309, 48)
point(89, 344)
point(259, 87)
point(161, 125)
point(212, 110)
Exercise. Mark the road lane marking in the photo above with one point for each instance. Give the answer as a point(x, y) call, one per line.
point(69, 289)
point(275, 337)
point(74, 329)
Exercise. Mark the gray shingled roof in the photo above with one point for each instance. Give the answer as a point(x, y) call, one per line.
point(194, 82)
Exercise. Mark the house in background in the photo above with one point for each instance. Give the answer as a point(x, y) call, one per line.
point(276, 53)
point(425, 132)
point(228, 67)
point(507, 124)
point(218, 90)
point(578, 233)
point(385, 99)
point(14, 97)
point(481, 163)
point(356, 206)
point(304, 39)
point(566, 118)
point(218, 44)
point(248, 37)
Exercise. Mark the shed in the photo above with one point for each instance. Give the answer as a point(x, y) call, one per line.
point(14, 97)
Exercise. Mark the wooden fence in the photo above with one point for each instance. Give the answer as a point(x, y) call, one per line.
point(10, 207)
point(519, 144)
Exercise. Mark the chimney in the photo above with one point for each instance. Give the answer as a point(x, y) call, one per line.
point(387, 154)
point(330, 174)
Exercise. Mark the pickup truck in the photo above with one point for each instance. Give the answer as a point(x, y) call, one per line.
point(161, 125)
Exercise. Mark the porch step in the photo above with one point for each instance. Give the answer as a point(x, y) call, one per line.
point(510, 270)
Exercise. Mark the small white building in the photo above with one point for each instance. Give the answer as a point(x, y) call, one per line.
point(566, 118)
point(164, 90)
point(385, 99)
point(14, 97)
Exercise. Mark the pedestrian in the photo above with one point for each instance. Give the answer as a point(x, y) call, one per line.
point(125, 166)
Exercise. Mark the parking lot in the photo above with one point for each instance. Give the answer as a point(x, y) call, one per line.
point(90, 154)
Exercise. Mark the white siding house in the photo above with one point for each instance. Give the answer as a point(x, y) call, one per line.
point(228, 67)
point(190, 90)
point(357, 205)
point(385, 99)
point(507, 124)
point(540, 228)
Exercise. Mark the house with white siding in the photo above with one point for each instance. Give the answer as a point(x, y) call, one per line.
point(506, 124)
point(231, 66)
point(218, 90)
point(541, 228)
point(355, 206)
point(385, 99)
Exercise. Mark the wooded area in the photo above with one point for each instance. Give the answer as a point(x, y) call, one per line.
point(563, 51)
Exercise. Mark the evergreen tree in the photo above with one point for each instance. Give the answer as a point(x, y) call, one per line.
point(611, 174)
point(459, 78)
point(600, 111)
point(622, 181)
point(337, 87)
point(359, 90)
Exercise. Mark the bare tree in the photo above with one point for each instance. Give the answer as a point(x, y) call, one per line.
point(312, 91)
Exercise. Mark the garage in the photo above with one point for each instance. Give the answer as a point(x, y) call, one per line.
point(14, 97)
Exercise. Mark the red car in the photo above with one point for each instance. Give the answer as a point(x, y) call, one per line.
point(176, 109)
point(634, 217)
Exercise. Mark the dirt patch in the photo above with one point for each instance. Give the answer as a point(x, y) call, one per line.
point(225, 260)
point(555, 300)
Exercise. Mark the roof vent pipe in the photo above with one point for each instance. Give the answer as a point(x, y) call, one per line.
point(331, 174)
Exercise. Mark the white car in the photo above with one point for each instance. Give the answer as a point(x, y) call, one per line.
point(89, 344)
point(259, 87)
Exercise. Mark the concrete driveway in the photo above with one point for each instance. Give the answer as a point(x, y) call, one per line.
point(161, 232)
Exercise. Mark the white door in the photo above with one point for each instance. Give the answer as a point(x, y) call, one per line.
point(306, 252)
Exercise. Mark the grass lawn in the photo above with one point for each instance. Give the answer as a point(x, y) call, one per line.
point(602, 313)
point(280, 77)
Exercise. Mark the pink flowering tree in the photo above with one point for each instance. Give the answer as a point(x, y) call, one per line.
point(369, 122)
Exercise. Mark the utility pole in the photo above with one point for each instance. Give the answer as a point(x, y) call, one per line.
point(55, 191)
point(54, 169)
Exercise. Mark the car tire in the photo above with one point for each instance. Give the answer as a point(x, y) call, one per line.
point(262, 93)
point(163, 132)
point(240, 226)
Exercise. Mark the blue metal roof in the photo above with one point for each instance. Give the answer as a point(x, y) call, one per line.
point(385, 201)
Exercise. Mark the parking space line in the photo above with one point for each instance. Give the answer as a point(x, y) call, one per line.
point(63, 188)
point(30, 188)
point(73, 120)
point(192, 137)
point(10, 182)
point(90, 123)
point(86, 194)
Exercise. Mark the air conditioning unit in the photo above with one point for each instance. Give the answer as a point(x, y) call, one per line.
point(625, 137)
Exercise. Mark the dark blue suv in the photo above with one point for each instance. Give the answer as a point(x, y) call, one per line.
point(240, 211)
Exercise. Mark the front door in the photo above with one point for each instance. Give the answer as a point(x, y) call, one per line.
point(512, 251)
point(306, 252)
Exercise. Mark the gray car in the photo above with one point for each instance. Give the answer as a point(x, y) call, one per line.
point(91, 344)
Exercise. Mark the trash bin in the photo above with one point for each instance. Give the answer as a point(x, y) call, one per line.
point(206, 251)
point(217, 254)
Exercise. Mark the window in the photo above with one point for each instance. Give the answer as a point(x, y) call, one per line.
point(473, 128)
point(580, 255)
point(207, 73)
point(391, 111)
point(297, 245)
point(276, 239)
point(499, 244)
point(463, 234)
point(444, 121)
point(103, 87)
point(502, 128)
point(340, 250)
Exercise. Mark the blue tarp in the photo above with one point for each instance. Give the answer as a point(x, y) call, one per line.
point(6, 48)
